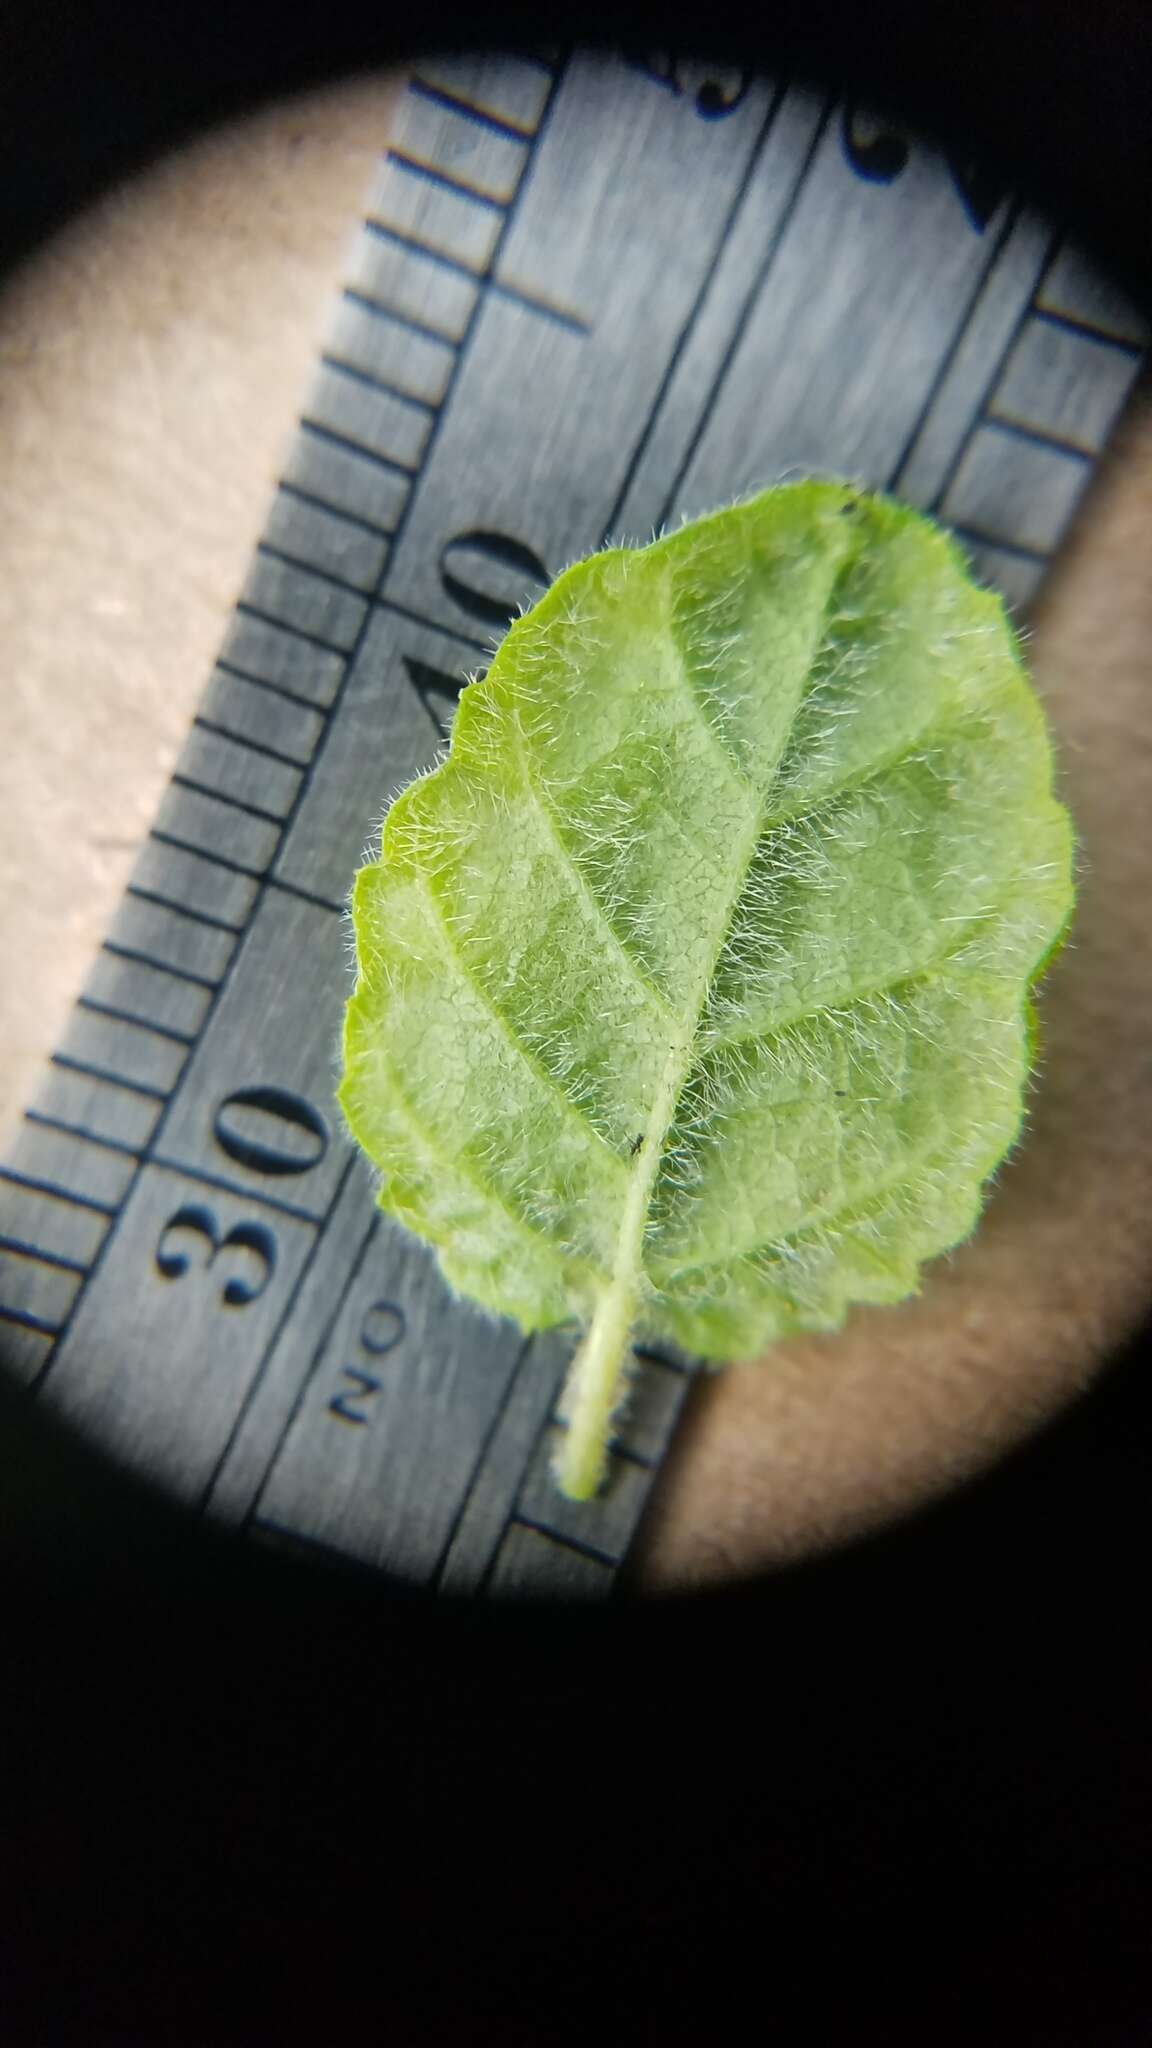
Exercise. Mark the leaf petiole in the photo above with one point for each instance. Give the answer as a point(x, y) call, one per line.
point(596, 1376)
point(594, 1389)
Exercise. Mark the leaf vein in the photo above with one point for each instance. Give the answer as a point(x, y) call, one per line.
point(932, 970)
point(580, 883)
point(509, 1032)
point(932, 730)
point(700, 719)
point(469, 1173)
point(855, 1207)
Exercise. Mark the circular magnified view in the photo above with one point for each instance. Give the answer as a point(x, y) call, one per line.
point(296, 428)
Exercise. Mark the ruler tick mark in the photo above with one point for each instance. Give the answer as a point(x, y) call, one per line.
point(470, 325)
point(979, 538)
point(24, 1321)
point(141, 959)
point(576, 1543)
point(383, 231)
point(1070, 323)
point(172, 903)
point(233, 1187)
point(118, 1016)
point(383, 311)
point(278, 554)
point(217, 860)
point(992, 382)
point(453, 104)
point(318, 431)
point(963, 326)
point(19, 1249)
point(251, 746)
point(373, 383)
point(234, 803)
point(320, 504)
point(245, 675)
point(528, 301)
point(71, 1065)
point(644, 1356)
point(1002, 423)
point(82, 1131)
point(54, 1191)
point(317, 640)
point(631, 1457)
point(307, 896)
point(416, 167)
point(405, 611)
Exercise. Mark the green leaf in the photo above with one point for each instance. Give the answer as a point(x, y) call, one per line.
point(693, 985)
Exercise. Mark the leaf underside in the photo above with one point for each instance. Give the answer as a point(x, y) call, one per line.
point(695, 980)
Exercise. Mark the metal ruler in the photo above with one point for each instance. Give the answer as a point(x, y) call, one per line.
point(591, 295)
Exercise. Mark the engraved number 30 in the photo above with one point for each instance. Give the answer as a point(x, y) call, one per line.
point(245, 1255)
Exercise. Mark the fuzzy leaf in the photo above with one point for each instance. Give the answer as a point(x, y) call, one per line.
point(693, 985)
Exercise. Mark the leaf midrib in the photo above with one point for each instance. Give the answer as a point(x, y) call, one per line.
point(629, 1275)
